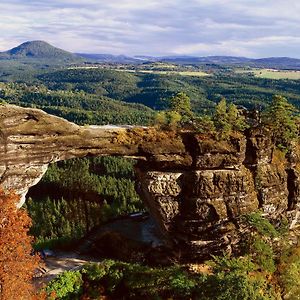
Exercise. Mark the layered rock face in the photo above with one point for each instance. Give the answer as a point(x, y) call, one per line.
point(199, 208)
point(195, 187)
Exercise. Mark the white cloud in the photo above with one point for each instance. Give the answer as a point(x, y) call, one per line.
point(157, 27)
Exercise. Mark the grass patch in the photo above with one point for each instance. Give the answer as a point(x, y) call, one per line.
point(271, 74)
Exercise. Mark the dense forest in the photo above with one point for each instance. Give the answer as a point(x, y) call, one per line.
point(76, 195)
point(153, 90)
point(102, 96)
point(76, 106)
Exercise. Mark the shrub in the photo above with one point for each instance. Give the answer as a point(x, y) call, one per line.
point(67, 285)
point(261, 224)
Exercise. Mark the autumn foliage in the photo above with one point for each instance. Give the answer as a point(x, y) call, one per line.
point(17, 264)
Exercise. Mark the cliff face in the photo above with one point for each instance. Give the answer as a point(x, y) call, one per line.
point(200, 207)
point(195, 187)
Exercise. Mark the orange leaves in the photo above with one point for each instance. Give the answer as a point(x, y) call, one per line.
point(17, 264)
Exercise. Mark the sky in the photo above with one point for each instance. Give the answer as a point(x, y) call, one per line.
point(251, 28)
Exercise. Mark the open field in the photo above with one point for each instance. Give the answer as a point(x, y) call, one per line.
point(182, 73)
point(272, 74)
point(163, 72)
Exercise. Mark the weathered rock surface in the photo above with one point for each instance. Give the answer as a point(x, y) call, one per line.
point(30, 139)
point(195, 187)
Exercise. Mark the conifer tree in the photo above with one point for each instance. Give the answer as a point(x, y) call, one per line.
point(227, 118)
point(279, 117)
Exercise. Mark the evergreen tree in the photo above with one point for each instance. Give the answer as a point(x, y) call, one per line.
point(280, 118)
point(181, 104)
point(227, 118)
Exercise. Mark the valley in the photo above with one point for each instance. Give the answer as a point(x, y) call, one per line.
point(207, 146)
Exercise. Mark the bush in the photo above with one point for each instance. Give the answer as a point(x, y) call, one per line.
point(67, 285)
point(289, 270)
point(232, 278)
point(261, 225)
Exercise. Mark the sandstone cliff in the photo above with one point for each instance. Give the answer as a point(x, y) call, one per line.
point(195, 187)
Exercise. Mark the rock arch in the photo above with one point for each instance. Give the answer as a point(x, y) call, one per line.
point(195, 187)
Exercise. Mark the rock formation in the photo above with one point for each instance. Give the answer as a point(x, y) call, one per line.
point(195, 187)
point(31, 139)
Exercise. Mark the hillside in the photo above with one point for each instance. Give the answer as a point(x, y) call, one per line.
point(268, 62)
point(109, 58)
point(78, 107)
point(152, 90)
point(33, 52)
point(39, 50)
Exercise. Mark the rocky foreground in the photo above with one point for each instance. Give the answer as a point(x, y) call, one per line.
point(195, 187)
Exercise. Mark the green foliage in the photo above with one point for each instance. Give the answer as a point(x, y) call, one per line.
point(263, 254)
point(133, 280)
point(220, 119)
point(229, 280)
point(169, 119)
point(76, 195)
point(261, 224)
point(67, 286)
point(181, 104)
point(227, 118)
point(178, 114)
point(259, 241)
point(289, 270)
point(234, 286)
point(77, 106)
point(280, 118)
point(96, 271)
point(152, 90)
point(236, 278)
point(205, 124)
point(240, 265)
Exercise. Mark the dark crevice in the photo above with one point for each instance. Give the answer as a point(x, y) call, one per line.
point(229, 211)
point(257, 185)
point(31, 117)
point(250, 163)
point(292, 188)
point(251, 151)
point(191, 146)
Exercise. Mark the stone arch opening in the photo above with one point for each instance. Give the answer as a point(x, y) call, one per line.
point(77, 195)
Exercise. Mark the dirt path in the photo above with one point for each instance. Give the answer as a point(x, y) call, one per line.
point(62, 261)
point(143, 231)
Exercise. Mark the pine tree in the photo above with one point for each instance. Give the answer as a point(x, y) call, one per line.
point(227, 118)
point(280, 118)
point(181, 104)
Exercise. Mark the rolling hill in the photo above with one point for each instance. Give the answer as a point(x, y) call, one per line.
point(39, 51)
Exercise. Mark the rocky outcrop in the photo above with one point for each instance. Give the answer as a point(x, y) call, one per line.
point(30, 139)
point(199, 208)
point(195, 187)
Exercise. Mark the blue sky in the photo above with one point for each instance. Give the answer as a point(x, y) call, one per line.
point(252, 28)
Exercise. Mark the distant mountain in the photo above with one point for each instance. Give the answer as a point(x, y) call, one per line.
point(41, 53)
point(109, 58)
point(206, 59)
point(278, 62)
point(269, 62)
point(39, 50)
